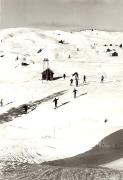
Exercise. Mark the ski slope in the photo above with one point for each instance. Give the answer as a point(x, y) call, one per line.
point(78, 124)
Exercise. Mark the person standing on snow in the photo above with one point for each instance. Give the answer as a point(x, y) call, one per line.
point(102, 79)
point(25, 107)
point(77, 82)
point(64, 76)
point(71, 82)
point(75, 91)
point(84, 79)
point(56, 102)
point(1, 102)
point(106, 120)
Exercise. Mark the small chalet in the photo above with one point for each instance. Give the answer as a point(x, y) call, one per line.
point(47, 74)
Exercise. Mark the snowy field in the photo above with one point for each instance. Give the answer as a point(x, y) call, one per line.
point(45, 133)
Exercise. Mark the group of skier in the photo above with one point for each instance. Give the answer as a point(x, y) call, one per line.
point(75, 90)
point(25, 107)
point(77, 81)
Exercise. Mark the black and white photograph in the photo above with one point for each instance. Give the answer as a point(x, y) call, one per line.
point(61, 90)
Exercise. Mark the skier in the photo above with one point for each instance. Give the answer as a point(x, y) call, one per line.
point(1, 102)
point(17, 58)
point(76, 75)
point(25, 107)
point(71, 82)
point(84, 79)
point(102, 79)
point(56, 102)
point(77, 82)
point(75, 91)
point(64, 76)
point(106, 120)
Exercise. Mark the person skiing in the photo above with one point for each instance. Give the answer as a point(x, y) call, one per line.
point(69, 56)
point(77, 82)
point(71, 82)
point(17, 58)
point(76, 75)
point(64, 76)
point(1, 102)
point(84, 79)
point(75, 91)
point(25, 107)
point(102, 79)
point(106, 120)
point(56, 102)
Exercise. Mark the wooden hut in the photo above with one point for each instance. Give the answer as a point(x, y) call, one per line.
point(47, 74)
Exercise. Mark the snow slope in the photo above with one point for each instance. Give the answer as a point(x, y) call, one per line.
point(78, 124)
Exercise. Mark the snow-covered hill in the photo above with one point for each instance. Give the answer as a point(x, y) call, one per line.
point(108, 152)
point(78, 124)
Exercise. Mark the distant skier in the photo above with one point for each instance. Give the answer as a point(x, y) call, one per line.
point(121, 46)
point(106, 120)
point(25, 107)
point(84, 79)
point(77, 82)
point(17, 58)
point(76, 75)
point(75, 91)
point(1, 102)
point(64, 76)
point(56, 102)
point(102, 79)
point(71, 82)
point(69, 56)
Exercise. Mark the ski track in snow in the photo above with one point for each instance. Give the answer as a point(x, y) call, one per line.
point(19, 111)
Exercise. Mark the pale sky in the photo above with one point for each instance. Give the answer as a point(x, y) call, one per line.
point(102, 14)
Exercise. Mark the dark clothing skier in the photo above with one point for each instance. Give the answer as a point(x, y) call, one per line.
point(64, 76)
point(77, 82)
point(25, 107)
point(102, 79)
point(84, 79)
point(1, 102)
point(106, 120)
point(71, 82)
point(75, 91)
point(56, 102)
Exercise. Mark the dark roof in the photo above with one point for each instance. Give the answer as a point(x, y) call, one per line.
point(48, 70)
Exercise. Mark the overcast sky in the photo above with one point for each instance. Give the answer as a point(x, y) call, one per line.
point(102, 14)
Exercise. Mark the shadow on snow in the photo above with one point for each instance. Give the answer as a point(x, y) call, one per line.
point(17, 112)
